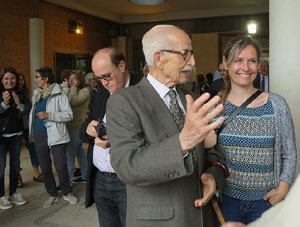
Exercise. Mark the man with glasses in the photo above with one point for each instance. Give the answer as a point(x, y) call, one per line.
point(103, 185)
point(156, 132)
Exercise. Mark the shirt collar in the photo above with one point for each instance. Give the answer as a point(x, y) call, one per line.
point(160, 88)
point(127, 85)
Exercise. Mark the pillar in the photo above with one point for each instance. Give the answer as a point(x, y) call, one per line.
point(285, 56)
point(36, 46)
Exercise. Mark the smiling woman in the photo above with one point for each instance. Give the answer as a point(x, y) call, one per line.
point(255, 140)
point(12, 104)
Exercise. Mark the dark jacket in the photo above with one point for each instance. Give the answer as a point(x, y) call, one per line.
point(97, 112)
point(12, 118)
point(216, 86)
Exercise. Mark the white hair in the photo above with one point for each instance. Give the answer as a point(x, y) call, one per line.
point(88, 77)
point(156, 39)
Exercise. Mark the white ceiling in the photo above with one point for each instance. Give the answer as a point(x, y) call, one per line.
point(123, 11)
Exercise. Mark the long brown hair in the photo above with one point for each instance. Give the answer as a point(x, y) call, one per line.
point(232, 49)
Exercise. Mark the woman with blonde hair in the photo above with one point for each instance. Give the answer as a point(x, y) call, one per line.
point(259, 143)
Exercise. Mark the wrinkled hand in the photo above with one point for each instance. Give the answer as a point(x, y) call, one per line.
point(233, 224)
point(103, 142)
point(16, 98)
point(210, 140)
point(6, 97)
point(197, 121)
point(209, 189)
point(42, 115)
point(91, 130)
point(278, 194)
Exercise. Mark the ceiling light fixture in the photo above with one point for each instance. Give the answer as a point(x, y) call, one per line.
point(252, 28)
point(148, 2)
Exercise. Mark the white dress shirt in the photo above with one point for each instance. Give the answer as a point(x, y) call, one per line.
point(101, 156)
point(163, 90)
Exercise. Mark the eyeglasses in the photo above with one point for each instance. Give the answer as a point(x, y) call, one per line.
point(106, 76)
point(186, 53)
point(36, 77)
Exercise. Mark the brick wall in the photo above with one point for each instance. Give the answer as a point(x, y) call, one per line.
point(14, 34)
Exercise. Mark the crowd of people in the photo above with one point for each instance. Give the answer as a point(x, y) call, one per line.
point(154, 158)
point(49, 122)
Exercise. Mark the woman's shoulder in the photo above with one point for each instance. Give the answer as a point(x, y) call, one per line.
point(85, 90)
point(277, 99)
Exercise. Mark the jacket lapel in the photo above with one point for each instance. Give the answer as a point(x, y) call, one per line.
point(182, 97)
point(158, 109)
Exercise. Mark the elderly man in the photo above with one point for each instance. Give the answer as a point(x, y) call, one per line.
point(262, 80)
point(156, 133)
point(103, 185)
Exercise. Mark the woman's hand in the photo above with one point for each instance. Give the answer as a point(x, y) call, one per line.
point(278, 194)
point(42, 115)
point(210, 140)
point(76, 83)
point(6, 97)
point(16, 98)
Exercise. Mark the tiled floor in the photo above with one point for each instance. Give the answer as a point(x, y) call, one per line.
point(32, 214)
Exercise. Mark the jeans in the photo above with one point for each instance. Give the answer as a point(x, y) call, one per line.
point(31, 148)
point(60, 163)
point(74, 148)
point(110, 199)
point(241, 210)
point(13, 146)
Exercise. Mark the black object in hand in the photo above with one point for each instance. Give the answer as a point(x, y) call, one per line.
point(101, 129)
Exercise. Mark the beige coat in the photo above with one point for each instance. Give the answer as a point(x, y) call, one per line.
point(79, 101)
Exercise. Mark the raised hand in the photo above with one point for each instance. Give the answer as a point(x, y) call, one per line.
point(198, 120)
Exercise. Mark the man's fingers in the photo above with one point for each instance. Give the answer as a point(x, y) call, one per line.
point(94, 123)
point(189, 102)
point(211, 115)
point(204, 178)
point(216, 124)
point(199, 102)
point(90, 130)
point(201, 202)
point(105, 137)
point(209, 105)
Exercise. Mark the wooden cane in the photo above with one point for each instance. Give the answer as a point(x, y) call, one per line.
point(218, 211)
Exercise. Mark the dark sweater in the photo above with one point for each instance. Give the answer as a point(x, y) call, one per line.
point(12, 117)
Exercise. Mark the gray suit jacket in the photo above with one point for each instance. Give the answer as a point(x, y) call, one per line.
point(146, 154)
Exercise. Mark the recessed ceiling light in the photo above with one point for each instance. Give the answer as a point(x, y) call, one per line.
point(148, 2)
